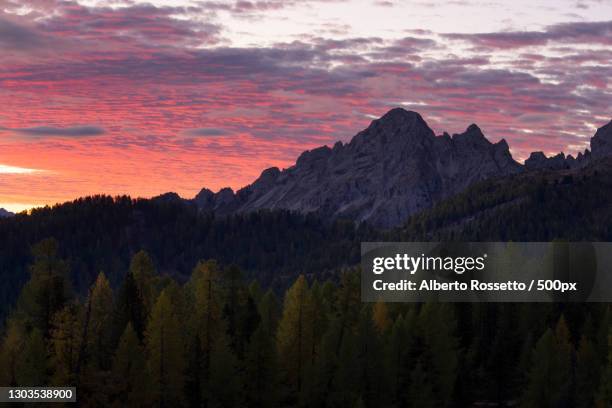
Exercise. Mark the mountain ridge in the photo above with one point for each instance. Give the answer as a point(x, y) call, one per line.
point(392, 169)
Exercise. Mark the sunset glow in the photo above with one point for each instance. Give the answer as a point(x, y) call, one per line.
point(123, 97)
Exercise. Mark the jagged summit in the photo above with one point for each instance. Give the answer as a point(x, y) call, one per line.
point(401, 115)
point(388, 171)
point(601, 146)
point(391, 169)
point(601, 143)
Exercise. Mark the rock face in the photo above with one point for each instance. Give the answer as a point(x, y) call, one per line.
point(539, 161)
point(5, 214)
point(392, 169)
point(601, 143)
point(601, 146)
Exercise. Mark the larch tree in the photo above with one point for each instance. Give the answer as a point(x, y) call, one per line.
point(207, 327)
point(380, 314)
point(65, 343)
point(165, 353)
point(438, 325)
point(587, 373)
point(99, 311)
point(32, 365)
point(48, 289)
point(294, 337)
point(548, 374)
point(130, 377)
point(143, 270)
point(604, 398)
point(129, 308)
point(11, 351)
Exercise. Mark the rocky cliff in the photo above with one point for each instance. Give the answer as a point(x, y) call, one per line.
point(394, 168)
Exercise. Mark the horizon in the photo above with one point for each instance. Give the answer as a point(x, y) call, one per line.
point(143, 98)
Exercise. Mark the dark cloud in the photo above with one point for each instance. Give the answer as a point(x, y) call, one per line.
point(207, 132)
point(15, 36)
point(136, 26)
point(572, 33)
point(51, 131)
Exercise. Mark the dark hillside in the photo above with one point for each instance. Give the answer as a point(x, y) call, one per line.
point(571, 204)
point(102, 233)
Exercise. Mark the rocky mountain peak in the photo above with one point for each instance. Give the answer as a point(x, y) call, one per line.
point(402, 116)
point(397, 129)
point(601, 143)
point(472, 136)
point(388, 171)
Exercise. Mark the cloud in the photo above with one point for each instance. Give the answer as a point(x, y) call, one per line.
point(51, 131)
point(14, 36)
point(572, 33)
point(6, 169)
point(207, 132)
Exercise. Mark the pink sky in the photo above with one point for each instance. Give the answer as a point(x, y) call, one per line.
point(143, 98)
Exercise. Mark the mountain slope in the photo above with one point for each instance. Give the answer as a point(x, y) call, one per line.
point(392, 169)
point(572, 204)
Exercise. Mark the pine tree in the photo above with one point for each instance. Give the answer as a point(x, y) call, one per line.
point(130, 376)
point(345, 385)
point(65, 344)
point(604, 399)
point(31, 365)
point(225, 385)
point(372, 370)
point(48, 288)
point(207, 327)
point(269, 312)
point(399, 352)
point(129, 308)
point(421, 392)
point(565, 357)
point(294, 337)
point(548, 376)
point(587, 373)
point(438, 325)
point(260, 368)
point(143, 272)
point(11, 351)
point(99, 324)
point(165, 353)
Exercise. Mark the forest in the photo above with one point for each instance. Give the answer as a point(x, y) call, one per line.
point(102, 233)
point(221, 340)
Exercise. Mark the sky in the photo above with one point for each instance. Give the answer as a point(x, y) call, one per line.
point(142, 98)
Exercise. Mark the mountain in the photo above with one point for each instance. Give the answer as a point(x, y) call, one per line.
point(5, 214)
point(394, 168)
point(601, 146)
point(570, 204)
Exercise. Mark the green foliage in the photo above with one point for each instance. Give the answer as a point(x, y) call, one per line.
point(165, 353)
point(98, 345)
point(131, 384)
point(48, 288)
point(549, 375)
point(295, 338)
point(31, 365)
